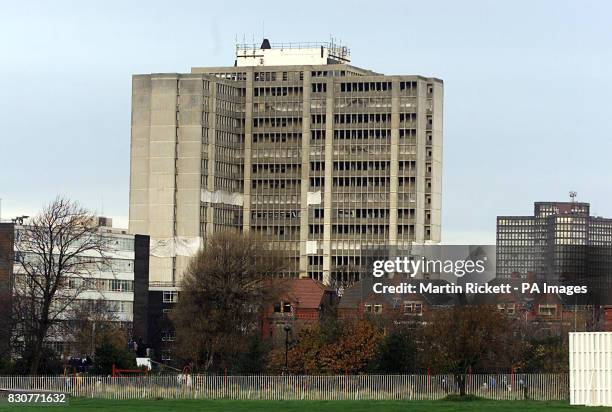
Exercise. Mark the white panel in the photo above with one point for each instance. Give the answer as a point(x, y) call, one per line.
point(590, 361)
point(311, 247)
point(314, 198)
point(222, 196)
point(175, 246)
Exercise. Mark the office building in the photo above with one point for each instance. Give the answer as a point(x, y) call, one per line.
point(322, 158)
point(116, 290)
point(560, 238)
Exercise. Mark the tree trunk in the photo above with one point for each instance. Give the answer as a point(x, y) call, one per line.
point(460, 380)
point(37, 350)
point(35, 359)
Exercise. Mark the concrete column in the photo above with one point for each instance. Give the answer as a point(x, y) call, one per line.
point(327, 198)
point(436, 164)
point(162, 168)
point(139, 154)
point(394, 164)
point(212, 154)
point(189, 156)
point(188, 162)
point(248, 144)
point(305, 174)
point(420, 161)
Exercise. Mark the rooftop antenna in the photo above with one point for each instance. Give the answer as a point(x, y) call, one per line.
point(573, 195)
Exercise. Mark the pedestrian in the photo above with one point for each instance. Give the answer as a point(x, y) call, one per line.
point(523, 387)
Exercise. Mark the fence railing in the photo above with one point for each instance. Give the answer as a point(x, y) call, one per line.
point(374, 387)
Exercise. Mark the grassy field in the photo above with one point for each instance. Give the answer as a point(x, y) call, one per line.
point(80, 404)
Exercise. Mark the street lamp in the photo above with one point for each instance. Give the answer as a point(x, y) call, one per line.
point(287, 329)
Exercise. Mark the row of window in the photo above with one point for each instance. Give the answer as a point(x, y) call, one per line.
point(365, 86)
point(410, 308)
point(357, 134)
point(359, 229)
point(281, 168)
point(227, 90)
point(84, 264)
point(362, 118)
point(277, 122)
point(360, 165)
point(279, 107)
point(291, 232)
point(277, 91)
point(231, 76)
point(276, 214)
point(281, 199)
point(231, 140)
point(276, 137)
point(277, 153)
point(102, 285)
point(369, 214)
point(276, 184)
point(225, 105)
point(360, 181)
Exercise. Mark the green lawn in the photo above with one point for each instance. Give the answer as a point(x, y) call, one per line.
point(81, 404)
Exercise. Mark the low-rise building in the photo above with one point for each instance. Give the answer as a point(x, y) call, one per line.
point(303, 305)
point(116, 290)
point(540, 314)
point(360, 300)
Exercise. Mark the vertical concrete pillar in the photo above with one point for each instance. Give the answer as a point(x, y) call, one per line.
point(305, 170)
point(248, 144)
point(188, 162)
point(394, 164)
point(329, 167)
point(420, 161)
point(212, 154)
point(139, 154)
point(162, 169)
point(436, 163)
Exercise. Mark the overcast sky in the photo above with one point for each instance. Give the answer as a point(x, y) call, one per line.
point(527, 113)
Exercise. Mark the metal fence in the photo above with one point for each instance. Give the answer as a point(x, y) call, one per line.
point(376, 387)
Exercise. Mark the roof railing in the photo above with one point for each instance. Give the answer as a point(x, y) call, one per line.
point(334, 48)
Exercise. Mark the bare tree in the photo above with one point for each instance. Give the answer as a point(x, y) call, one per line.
point(93, 322)
point(223, 293)
point(55, 255)
point(461, 339)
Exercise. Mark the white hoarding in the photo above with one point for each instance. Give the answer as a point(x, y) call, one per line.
point(590, 361)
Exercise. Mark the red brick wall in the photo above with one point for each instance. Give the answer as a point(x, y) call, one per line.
point(608, 319)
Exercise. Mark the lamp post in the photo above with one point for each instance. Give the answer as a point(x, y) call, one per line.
point(287, 329)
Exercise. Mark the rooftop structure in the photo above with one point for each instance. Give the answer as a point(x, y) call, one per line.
point(291, 54)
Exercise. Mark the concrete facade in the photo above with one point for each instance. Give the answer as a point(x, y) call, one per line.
point(324, 161)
